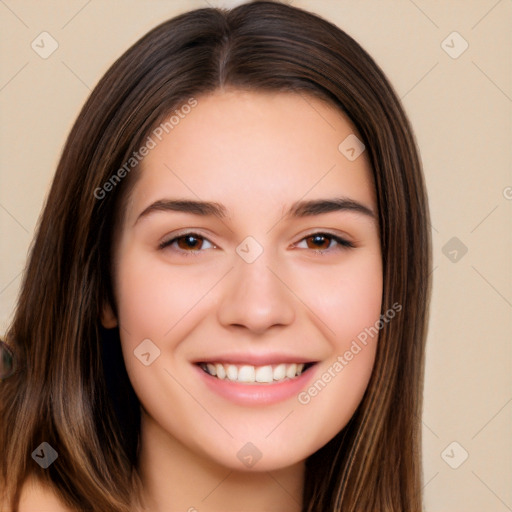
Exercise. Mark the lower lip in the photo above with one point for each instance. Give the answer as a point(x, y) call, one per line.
point(257, 394)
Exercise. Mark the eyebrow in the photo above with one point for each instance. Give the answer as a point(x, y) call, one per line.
point(299, 209)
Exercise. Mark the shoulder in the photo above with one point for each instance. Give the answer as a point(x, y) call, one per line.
point(36, 495)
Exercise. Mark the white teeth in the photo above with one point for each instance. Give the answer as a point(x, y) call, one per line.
point(291, 370)
point(250, 374)
point(221, 373)
point(246, 374)
point(264, 374)
point(232, 372)
point(280, 372)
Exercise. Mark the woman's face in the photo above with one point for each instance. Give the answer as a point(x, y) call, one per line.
point(247, 265)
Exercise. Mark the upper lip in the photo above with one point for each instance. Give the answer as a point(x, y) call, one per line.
point(255, 359)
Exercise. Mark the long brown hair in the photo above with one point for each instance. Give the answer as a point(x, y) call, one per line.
point(71, 388)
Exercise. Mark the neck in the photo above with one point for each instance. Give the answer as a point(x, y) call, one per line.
point(174, 478)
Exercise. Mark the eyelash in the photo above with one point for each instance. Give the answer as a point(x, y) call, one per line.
point(342, 243)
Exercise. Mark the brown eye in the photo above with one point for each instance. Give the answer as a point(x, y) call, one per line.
point(189, 242)
point(318, 241)
point(324, 242)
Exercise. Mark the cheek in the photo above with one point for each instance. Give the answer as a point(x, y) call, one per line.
point(346, 300)
point(153, 298)
point(356, 300)
point(159, 303)
point(348, 303)
point(335, 394)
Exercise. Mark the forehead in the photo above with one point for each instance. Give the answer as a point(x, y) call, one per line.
point(253, 150)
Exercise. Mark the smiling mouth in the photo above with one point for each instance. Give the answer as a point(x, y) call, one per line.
point(246, 373)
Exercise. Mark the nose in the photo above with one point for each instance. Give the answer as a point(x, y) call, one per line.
point(255, 298)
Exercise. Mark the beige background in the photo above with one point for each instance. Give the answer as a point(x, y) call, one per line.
point(461, 111)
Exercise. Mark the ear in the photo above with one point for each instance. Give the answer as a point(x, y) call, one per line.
point(108, 318)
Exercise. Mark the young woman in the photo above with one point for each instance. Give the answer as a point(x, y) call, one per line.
point(225, 305)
